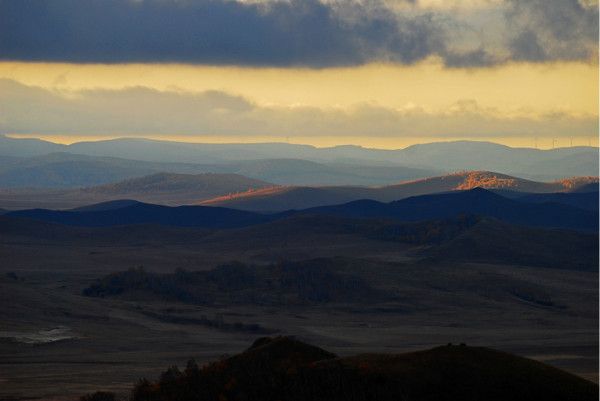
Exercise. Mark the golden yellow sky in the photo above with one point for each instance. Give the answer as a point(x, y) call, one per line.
point(513, 88)
point(489, 103)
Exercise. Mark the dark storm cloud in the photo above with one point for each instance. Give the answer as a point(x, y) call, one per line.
point(299, 32)
point(552, 29)
point(284, 33)
point(474, 58)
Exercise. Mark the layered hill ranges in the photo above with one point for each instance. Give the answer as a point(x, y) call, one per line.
point(272, 177)
point(240, 192)
point(152, 257)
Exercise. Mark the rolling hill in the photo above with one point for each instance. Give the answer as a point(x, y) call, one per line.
point(285, 198)
point(285, 368)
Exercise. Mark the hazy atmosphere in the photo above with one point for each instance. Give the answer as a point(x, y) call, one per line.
point(374, 73)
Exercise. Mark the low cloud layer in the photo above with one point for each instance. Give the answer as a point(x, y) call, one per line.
point(142, 111)
point(308, 33)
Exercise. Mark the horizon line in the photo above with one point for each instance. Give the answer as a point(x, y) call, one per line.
point(517, 142)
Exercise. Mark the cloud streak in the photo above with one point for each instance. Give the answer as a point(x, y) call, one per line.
point(308, 33)
point(142, 111)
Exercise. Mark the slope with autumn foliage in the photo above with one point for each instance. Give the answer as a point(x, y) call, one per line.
point(289, 197)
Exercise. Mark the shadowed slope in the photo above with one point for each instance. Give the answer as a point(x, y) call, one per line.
point(493, 241)
point(582, 200)
point(427, 207)
point(464, 238)
point(109, 205)
point(143, 213)
point(476, 201)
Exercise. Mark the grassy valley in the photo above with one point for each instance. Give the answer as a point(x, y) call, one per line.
point(351, 286)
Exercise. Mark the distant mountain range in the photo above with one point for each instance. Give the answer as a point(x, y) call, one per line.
point(439, 157)
point(285, 198)
point(67, 170)
point(161, 188)
point(477, 201)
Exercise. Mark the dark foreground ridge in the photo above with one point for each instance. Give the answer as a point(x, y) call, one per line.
point(283, 368)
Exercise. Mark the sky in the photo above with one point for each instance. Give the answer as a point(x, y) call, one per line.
point(378, 73)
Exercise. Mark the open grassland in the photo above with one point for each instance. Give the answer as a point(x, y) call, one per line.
point(57, 342)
